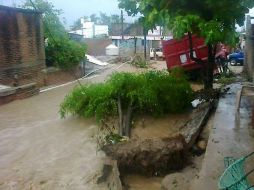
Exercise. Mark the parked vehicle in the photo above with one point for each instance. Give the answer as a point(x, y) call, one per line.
point(156, 52)
point(236, 58)
point(177, 53)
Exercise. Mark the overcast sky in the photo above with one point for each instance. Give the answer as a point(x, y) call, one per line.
point(74, 9)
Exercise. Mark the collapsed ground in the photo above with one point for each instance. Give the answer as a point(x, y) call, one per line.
point(31, 163)
point(151, 150)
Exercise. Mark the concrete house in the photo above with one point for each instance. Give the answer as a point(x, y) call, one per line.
point(132, 42)
point(91, 30)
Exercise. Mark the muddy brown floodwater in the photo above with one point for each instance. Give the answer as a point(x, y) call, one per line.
point(38, 150)
point(138, 182)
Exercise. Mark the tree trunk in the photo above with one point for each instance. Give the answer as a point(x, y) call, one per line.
point(120, 115)
point(145, 43)
point(135, 45)
point(209, 66)
point(124, 119)
point(208, 82)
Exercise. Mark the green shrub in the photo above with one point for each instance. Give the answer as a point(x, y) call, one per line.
point(139, 62)
point(153, 92)
point(64, 53)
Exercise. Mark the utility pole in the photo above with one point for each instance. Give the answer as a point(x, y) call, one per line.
point(122, 24)
point(145, 33)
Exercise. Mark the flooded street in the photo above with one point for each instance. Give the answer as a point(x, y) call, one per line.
point(38, 150)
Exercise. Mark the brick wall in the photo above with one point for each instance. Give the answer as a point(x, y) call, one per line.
point(22, 55)
point(54, 76)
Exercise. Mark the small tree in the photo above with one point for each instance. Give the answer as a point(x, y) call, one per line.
point(76, 25)
point(213, 20)
point(126, 94)
point(94, 18)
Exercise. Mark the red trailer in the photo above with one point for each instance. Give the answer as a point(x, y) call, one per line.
point(177, 52)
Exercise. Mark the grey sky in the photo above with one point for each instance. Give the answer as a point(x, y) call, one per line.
point(74, 9)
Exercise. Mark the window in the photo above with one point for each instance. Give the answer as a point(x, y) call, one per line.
point(183, 58)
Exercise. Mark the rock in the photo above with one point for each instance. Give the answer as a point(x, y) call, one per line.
point(202, 145)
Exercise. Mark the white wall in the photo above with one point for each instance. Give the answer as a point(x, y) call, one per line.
point(91, 30)
point(101, 30)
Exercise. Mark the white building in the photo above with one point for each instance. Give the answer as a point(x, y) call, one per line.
point(91, 30)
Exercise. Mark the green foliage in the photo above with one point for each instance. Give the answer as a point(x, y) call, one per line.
point(226, 80)
point(64, 53)
point(51, 17)
point(60, 50)
point(212, 19)
point(139, 62)
point(76, 25)
point(153, 92)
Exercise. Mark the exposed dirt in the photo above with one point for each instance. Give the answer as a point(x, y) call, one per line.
point(150, 157)
point(148, 127)
point(175, 181)
point(38, 150)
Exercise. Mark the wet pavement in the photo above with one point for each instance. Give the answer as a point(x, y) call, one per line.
point(227, 138)
point(38, 150)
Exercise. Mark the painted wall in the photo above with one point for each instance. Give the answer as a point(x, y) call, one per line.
point(127, 47)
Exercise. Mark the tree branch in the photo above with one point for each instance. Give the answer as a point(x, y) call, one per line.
point(197, 60)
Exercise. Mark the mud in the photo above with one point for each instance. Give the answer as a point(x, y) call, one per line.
point(148, 127)
point(38, 150)
point(150, 157)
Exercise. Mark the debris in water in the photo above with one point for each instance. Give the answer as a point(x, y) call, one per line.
point(197, 102)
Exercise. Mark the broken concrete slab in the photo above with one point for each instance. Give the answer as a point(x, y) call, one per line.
point(192, 128)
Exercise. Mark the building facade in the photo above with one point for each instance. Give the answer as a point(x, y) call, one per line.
point(91, 30)
point(22, 54)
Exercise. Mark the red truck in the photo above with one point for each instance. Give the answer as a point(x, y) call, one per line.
point(177, 52)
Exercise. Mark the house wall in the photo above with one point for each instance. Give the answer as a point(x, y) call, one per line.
point(91, 30)
point(22, 54)
point(53, 76)
point(249, 48)
point(127, 47)
point(97, 46)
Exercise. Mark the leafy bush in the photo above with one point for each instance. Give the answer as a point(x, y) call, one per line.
point(64, 53)
point(139, 62)
point(60, 51)
point(153, 92)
